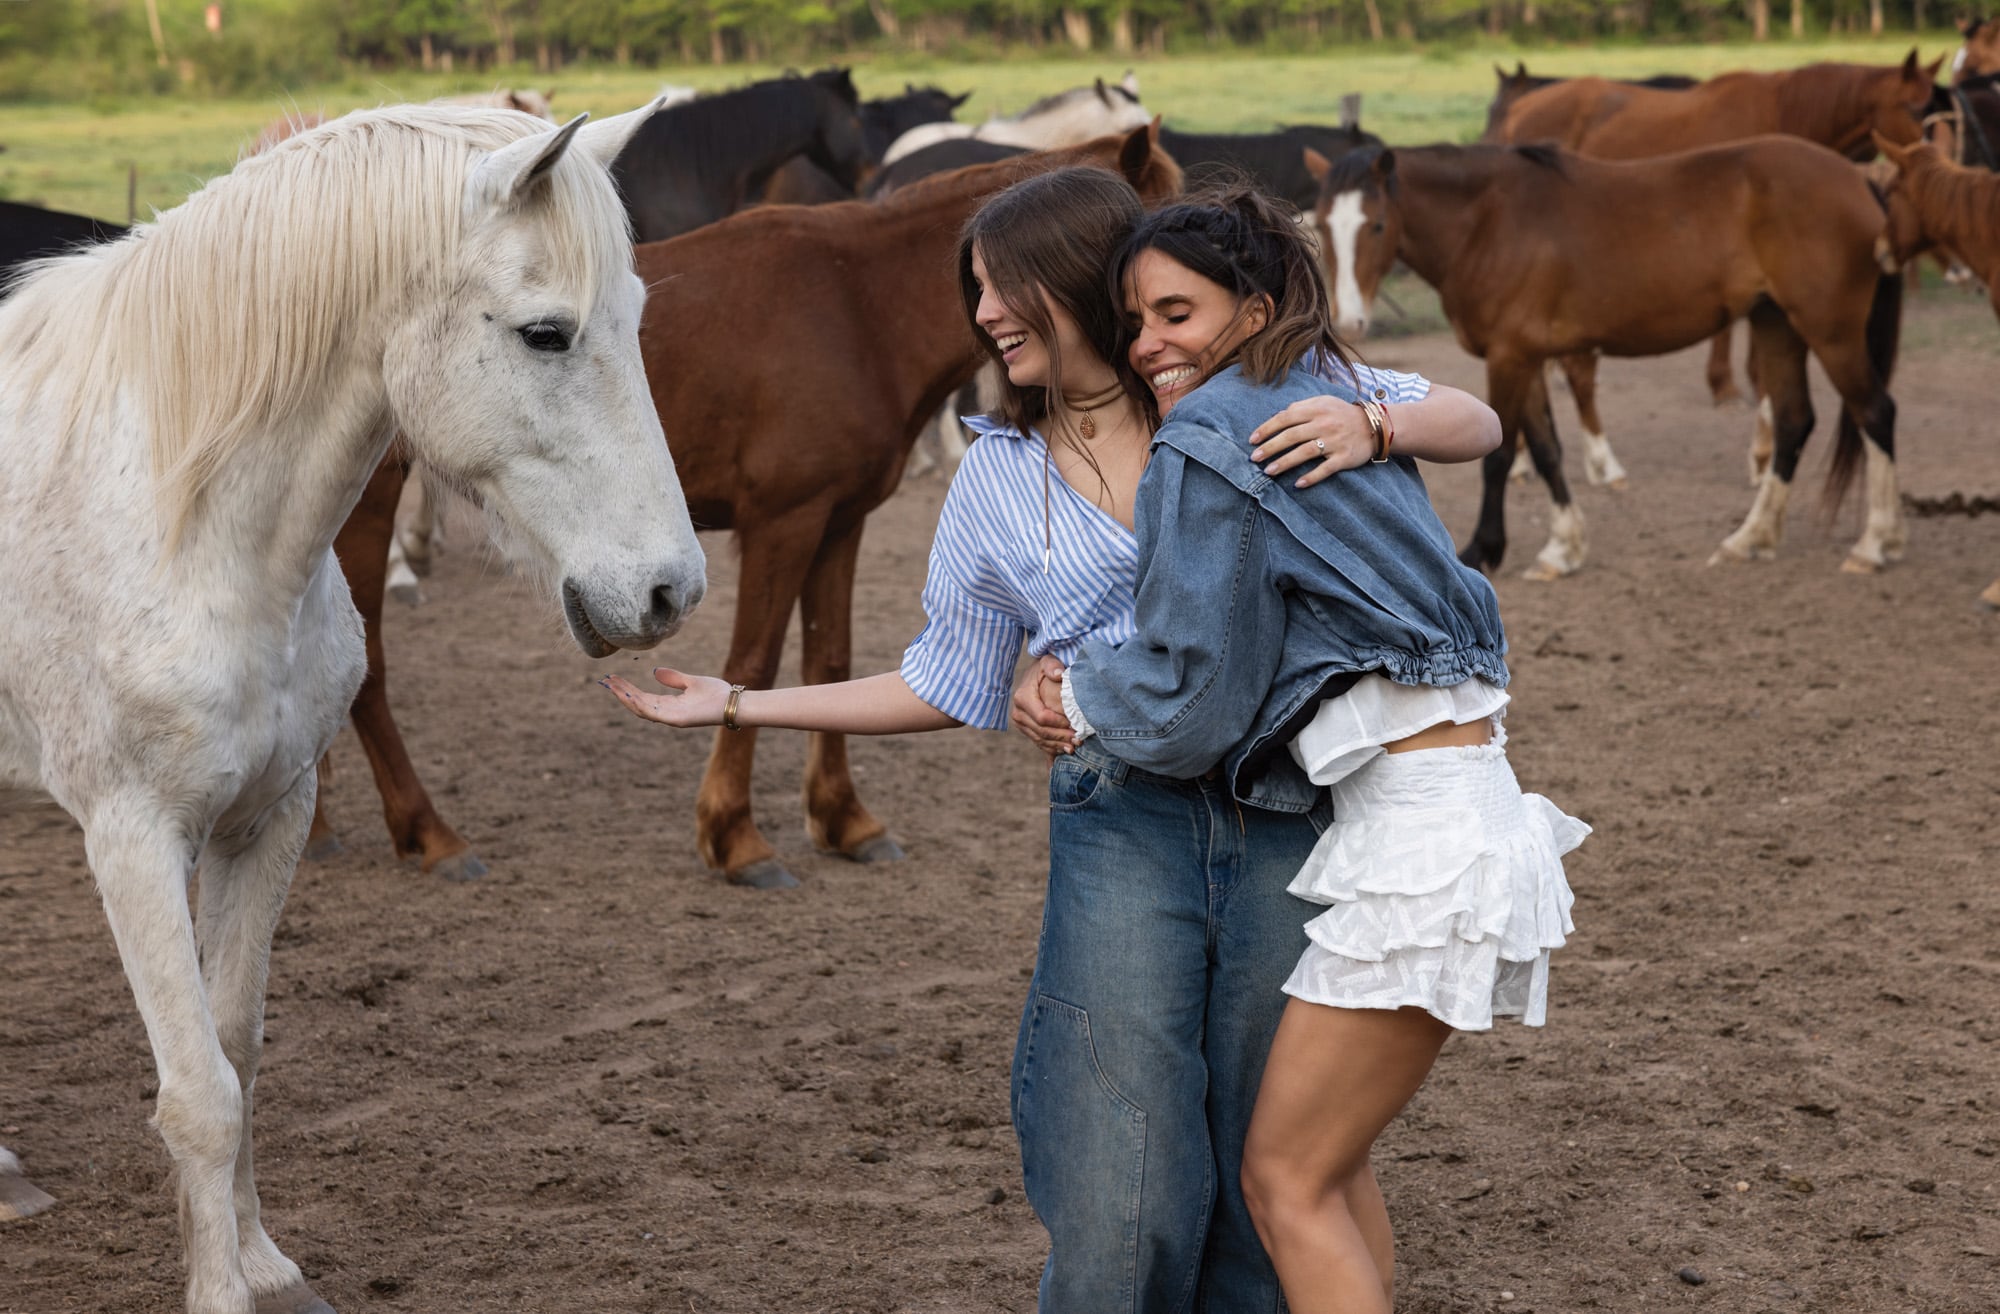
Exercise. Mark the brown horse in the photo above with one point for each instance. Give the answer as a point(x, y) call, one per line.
point(1935, 203)
point(1537, 253)
point(795, 353)
point(1980, 55)
point(1836, 105)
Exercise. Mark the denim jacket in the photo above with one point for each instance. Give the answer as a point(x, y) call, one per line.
point(1257, 600)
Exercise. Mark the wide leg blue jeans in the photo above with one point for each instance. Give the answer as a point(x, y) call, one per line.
point(1166, 937)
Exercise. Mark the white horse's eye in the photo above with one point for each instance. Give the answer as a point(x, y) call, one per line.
point(545, 336)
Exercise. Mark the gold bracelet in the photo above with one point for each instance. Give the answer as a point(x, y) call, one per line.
point(1377, 422)
point(729, 708)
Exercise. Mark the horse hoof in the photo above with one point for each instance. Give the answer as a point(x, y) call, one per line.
point(1542, 572)
point(879, 849)
point(408, 594)
point(765, 874)
point(1619, 485)
point(1991, 598)
point(324, 848)
point(464, 866)
point(295, 1299)
point(21, 1198)
point(1853, 565)
point(1727, 395)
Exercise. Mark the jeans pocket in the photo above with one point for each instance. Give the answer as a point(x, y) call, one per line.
point(1073, 783)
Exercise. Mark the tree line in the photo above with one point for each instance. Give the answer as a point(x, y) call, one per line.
point(239, 44)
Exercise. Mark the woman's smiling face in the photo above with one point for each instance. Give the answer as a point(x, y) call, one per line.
point(1023, 352)
point(1182, 324)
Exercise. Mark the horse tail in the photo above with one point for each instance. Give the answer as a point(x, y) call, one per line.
point(1882, 335)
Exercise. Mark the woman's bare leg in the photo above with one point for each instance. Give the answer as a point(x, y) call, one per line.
point(1336, 1077)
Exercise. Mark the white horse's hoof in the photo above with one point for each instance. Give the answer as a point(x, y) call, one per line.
point(1856, 564)
point(1619, 485)
point(295, 1299)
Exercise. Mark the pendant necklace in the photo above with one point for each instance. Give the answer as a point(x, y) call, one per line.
point(1086, 424)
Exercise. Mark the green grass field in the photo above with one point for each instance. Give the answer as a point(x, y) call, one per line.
point(78, 156)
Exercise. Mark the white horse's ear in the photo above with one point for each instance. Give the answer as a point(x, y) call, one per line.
point(1131, 83)
point(606, 139)
point(510, 175)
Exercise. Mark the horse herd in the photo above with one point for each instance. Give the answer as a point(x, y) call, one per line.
point(176, 651)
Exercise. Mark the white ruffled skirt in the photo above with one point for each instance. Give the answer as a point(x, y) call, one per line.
point(1445, 890)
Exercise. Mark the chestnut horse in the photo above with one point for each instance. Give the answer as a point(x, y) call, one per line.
point(1935, 203)
point(1538, 253)
point(789, 425)
point(1836, 105)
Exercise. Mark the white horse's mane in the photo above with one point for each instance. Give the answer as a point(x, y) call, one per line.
point(220, 316)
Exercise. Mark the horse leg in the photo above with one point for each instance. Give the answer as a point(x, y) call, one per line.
point(835, 817)
point(1507, 385)
point(1721, 377)
point(1600, 464)
point(19, 1197)
point(1563, 554)
point(415, 827)
point(416, 530)
point(401, 576)
point(1780, 355)
point(1763, 440)
point(775, 558)
point(244, 880)
point(142, 858)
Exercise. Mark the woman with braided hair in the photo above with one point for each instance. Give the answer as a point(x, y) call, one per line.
point(1167, 927)
point(1311, 637)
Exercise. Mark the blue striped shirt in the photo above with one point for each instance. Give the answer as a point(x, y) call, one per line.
point(987, 592)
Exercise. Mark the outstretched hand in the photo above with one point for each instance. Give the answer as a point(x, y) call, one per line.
point(691, 700)
point(1037, 708)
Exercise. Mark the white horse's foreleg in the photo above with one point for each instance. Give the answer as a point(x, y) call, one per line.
point(19, 1197)
point(142, 860)
point(1885, 534)
point(244, 880)
point(1758, 536)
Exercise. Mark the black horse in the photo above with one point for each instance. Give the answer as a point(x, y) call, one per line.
point(1975, 104)
point(694, 163)
point(801, 182)
point(28, 232)
point(1274, 162)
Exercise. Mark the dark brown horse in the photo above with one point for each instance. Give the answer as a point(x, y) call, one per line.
point(794, 353)
point(1538, 253)
point(1836, 105)
point(1934, 203)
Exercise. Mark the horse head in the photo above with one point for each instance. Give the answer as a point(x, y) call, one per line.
point(517, 377)
point(1359, 226)
point(839, 143)
point(1980, 55)
point(1897, 100)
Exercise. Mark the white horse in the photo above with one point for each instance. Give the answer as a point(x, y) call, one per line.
point(186, 417)
point(1068, 118)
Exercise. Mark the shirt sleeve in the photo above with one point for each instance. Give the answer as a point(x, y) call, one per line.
point(1390, 385)
point(1187, 686)
point(963, 661)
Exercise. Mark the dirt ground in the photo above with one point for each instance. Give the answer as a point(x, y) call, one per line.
point(601, 1080)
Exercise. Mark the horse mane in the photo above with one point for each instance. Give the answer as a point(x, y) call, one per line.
point(1820, 100)
point(1351, 171)
point(219, 319)
point(713, 135)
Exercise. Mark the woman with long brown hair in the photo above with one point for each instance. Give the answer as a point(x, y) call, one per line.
point(1167, 927)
